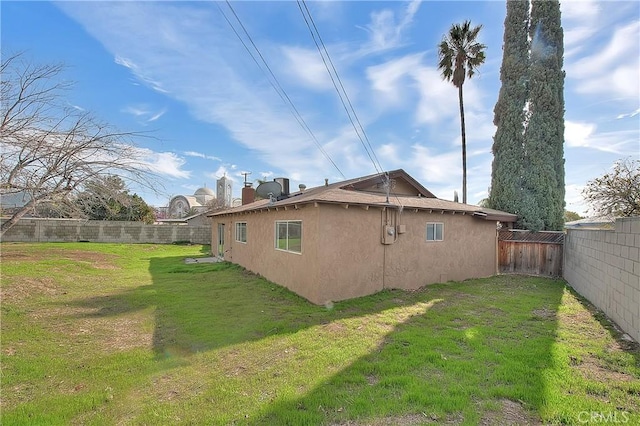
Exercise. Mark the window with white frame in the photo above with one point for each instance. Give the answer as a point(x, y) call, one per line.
point(241, 232)
point(289, 235)
point(435, 231)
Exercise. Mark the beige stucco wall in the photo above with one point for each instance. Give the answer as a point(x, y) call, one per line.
point(468, 250)
point(297, 272)
point(343, 257)
point(357, 263)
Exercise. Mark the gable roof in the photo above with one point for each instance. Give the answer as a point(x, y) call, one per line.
point(369, 191)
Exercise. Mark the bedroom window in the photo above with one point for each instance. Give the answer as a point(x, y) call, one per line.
point(289, 235)
point(435, 231)
point(241, 232)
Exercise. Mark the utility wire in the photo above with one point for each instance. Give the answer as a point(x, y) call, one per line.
point(343, 95)
point(370, 151)
point(274, 82)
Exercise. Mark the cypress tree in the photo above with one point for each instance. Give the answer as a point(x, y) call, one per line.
point(544, 134)
point(509, 117)
point(528, 168)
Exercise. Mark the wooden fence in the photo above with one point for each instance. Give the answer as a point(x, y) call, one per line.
point(531, 253)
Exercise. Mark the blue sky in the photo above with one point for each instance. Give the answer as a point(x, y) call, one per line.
point(177, 70)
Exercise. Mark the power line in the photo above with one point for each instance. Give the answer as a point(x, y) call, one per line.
point(273, 80)
point(342, 95)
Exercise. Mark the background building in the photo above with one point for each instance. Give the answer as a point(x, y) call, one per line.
point(185, 205)
point(204, 199)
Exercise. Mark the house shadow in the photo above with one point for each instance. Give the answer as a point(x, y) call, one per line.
point(441, 368)
point(478, 343)
point(203, 306)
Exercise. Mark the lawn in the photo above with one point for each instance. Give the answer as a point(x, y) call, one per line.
point(129, 334)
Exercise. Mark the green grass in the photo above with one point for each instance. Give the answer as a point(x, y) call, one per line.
point(129, 334)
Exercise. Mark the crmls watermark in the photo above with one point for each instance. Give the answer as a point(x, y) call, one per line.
point(608, 417)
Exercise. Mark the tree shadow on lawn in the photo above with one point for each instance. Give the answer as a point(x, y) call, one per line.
point(480, 344)
point(629, 346)
point(620, 346)
point(203, 306)
point(481, 350)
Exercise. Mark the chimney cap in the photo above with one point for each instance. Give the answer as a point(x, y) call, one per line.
point(326, 182)
point(302, 187)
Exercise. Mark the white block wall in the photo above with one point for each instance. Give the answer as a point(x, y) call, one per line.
point(66, 230)
point(604, 267)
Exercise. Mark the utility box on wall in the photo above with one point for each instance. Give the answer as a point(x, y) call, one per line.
point(389, 235)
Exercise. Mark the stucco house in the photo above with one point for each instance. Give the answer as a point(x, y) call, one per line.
point(356, 237)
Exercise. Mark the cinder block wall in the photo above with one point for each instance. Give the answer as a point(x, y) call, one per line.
point(68, 230)
point(604, 267)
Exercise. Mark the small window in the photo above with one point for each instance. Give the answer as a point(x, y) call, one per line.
point(289, 236)
point(241, 232)
point(435, 231)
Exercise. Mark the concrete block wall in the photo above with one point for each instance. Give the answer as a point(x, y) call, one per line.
point(69, 230)
point(604, 267)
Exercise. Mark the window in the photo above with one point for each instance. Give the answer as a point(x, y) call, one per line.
point(241, 232)
point(435, 231)
point(289, 235)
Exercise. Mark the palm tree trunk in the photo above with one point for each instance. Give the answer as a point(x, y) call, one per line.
point(464, 148)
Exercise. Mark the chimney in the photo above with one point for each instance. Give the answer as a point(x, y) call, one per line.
point(302, 187)
point(326, 182)
point(248, 195)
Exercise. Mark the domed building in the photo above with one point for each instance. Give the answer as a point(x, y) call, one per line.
point(202, 200)
point(204, 195)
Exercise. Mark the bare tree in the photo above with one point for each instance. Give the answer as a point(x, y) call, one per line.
point(616, 193)
point(49, 149)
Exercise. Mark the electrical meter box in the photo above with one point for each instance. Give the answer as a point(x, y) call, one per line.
point(389, 235)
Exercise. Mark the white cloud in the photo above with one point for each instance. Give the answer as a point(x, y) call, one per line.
point(201, 73)
point(157, 115)
point(389, 78)
point(386, 29)
point(127, 63)
point(143, 112)
point(439, 98)
point(164, 163)
point(307, 67)
point(222, 171)
point(613, 69)
point(584, 135)
point(201, 155)
point(577, 134)
point(436, 167)
point(574, 200)
point(580, 21)
point(135, 111)
point(629, 115)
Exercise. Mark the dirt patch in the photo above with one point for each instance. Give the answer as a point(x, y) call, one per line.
point(25, 287)
point(335, 328)
point(12, 255)
point(544, 313)
point(591, 369)
point(109, 333)
point(623, 345)
point(404, 420)
point(511, 413)
point(372, 379)
point(96, 260)
point(170, 388)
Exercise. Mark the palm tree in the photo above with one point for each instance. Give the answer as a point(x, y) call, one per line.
point(460, 55)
